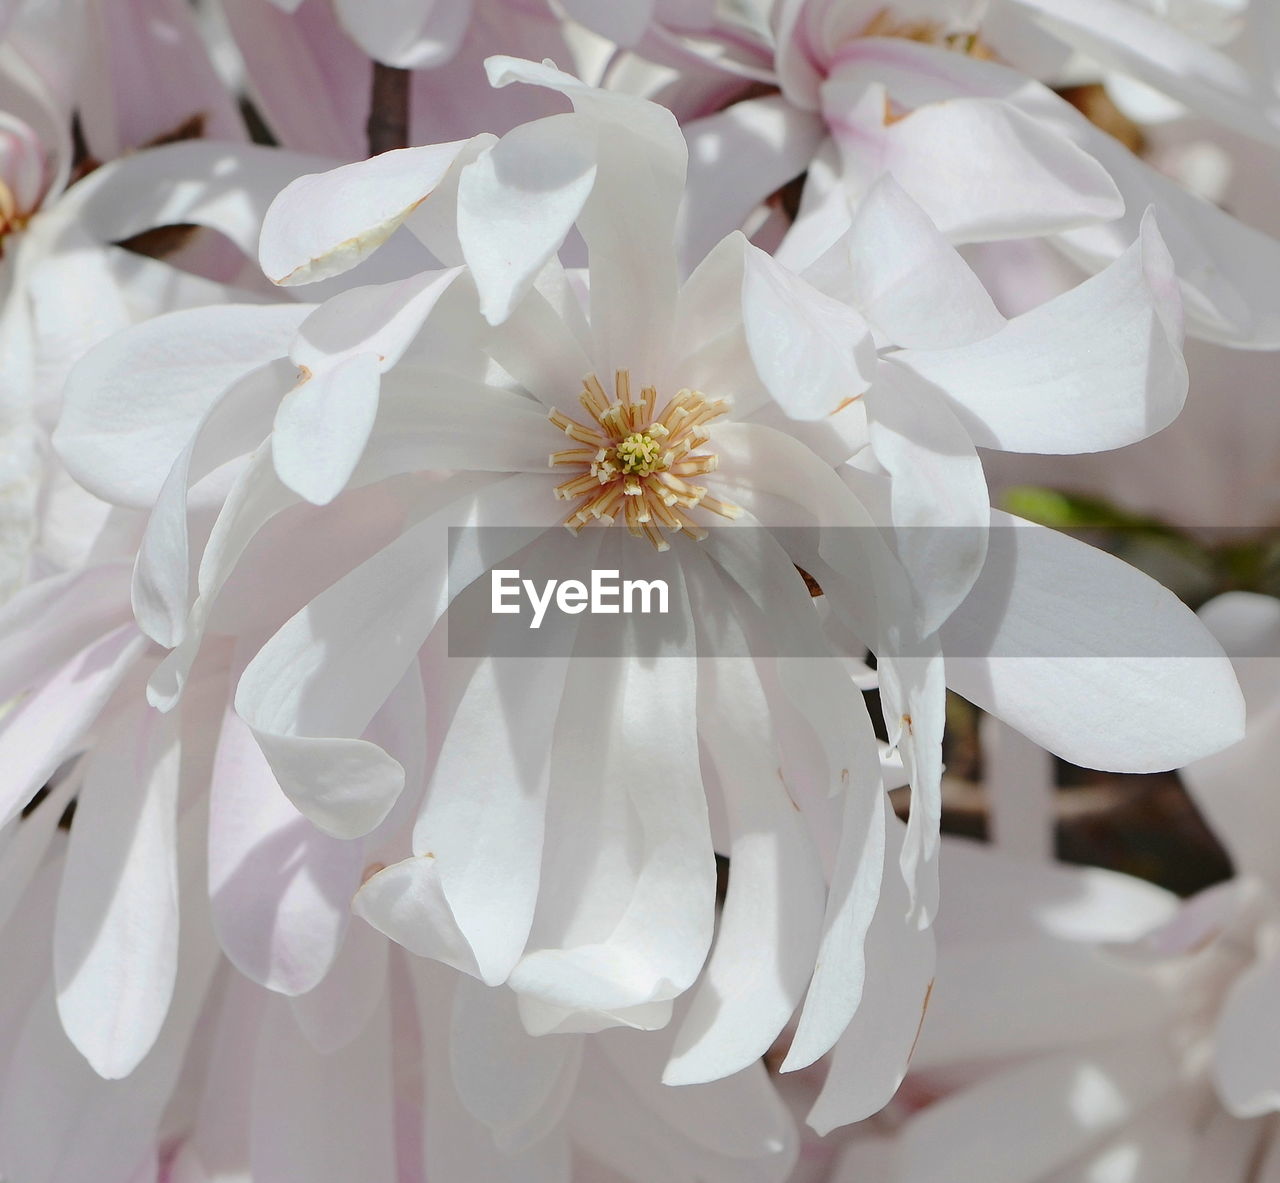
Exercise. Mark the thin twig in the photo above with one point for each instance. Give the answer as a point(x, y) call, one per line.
point(388, 125)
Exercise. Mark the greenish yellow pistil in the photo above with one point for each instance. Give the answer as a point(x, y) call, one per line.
point(639, 461)
point(639, 453)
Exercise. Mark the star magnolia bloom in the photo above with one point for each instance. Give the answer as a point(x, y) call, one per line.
point(514, 870)
point(868, 90)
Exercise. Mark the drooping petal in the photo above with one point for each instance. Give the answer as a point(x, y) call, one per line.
point(234, 424)
point(769, 926)
point(279, 890)
point(115, 946)
point(313, 688)
point(871, 1057)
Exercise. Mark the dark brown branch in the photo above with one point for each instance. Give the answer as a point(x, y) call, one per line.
point(388, 125)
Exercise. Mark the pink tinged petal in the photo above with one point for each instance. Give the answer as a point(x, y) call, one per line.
point(1017, 776)
point(1223, 786)
point(516, 1084)
point(150, 75)
point(939, 501)
point(769, 927)
point(1034, 180)
point(60, 1122)
point(314, 687)
point(226, 187)
point(623, 22)
point(408, 34)
point(279, 889)
point(814, 354)
point(871, 1057)
point(217, 1148)
point(458, 1147)
point(737, 158)
point(1110, 671)
point(483, 814)
point(323, 225)
point(115, 947)
point(25, 843)
point(628, 222)
point(908, 281)
point(45, 728)
point(133, 402)
point(1096, 368)
point(1154, 50)
point(234, 424)
point(727, 1130)
point(22, 163)
point(326, 1119)
point(306, 76)
point(1063, 1106)
point(517, 203)
point(1246, 1050)
point(48, 622)
point(339, 1009)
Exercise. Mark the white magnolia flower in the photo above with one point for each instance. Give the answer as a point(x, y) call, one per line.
point(538, 856)
point(922, 90)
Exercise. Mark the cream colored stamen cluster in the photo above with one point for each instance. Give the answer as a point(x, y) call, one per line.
point(637, 462)
point(11, 217)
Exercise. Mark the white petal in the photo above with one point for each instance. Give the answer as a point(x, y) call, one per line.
point(410, 35)
point(871, 1057)
point(44, 729)
point(313, 688)
point(279, 889)
point(1096, 368)
point(133, 402)
point(116, 941)
point(939, 501)
point(234, 424)
point(308, 1122)
point(908, 281)
point(322, 225)
point(1109, 669)
point(322, 426)
point(769, 926)
point(517, 202)
point(1034, 180)
point(813, 353)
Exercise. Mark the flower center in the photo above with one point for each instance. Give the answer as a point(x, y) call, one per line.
point(635, 461)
